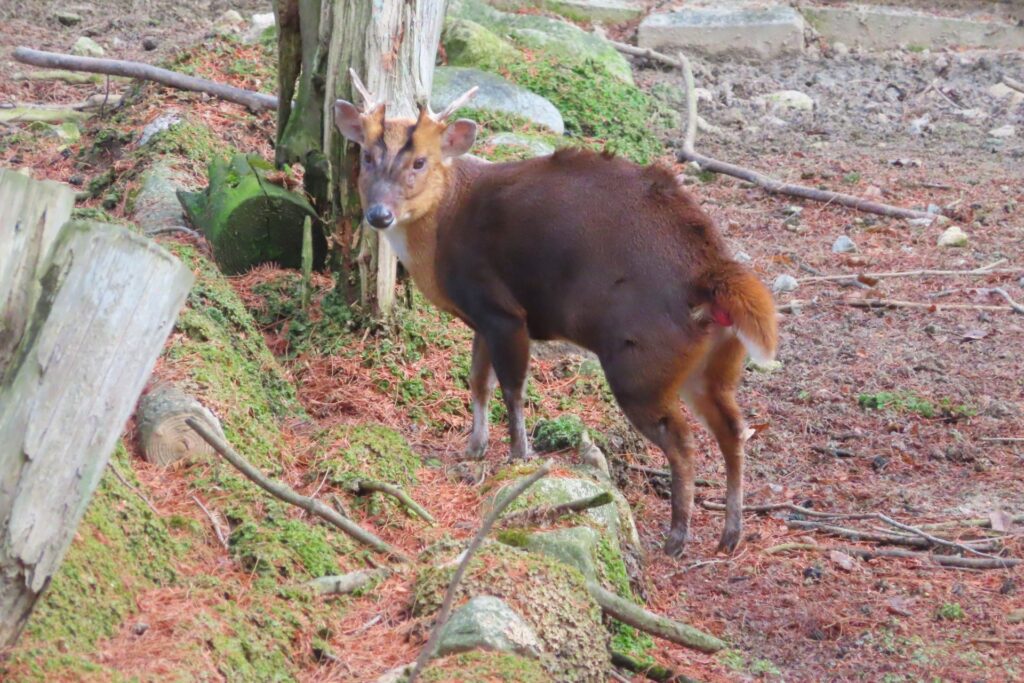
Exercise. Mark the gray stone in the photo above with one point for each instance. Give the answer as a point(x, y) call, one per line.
point(487, 623)
point(888, 28)
point(784, 283)
point(575, 546)
point(468, 43)
point(495, 94)
point(843, 245)
point(1001, 91)
point(260, 23)
point(742, 257)
point(1006, 131)
point(68, 18)
point(733, 30)
point(537, 148)
point(560, 39)
point(786, 100)
point(158, 125)
point(953, 237)
point(841, 49)
point(87, 47)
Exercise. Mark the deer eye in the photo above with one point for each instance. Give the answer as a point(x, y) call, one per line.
point(367, 158)
point(419, 163)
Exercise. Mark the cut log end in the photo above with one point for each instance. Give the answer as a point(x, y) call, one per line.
point(164, 435)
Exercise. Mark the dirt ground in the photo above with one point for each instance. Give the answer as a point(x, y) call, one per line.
point(898, 411)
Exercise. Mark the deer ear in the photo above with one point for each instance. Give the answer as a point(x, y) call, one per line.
point(349, 121)
point(458, 137)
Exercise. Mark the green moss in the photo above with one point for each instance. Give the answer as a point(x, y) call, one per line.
point(324, 328)
point(550, 596)
point(120, 550)
point(517, 538)
point(493, 667)
point(564, 432)
point(912, 403)
point(615, 577)
point(193, 141)
point(368, 452)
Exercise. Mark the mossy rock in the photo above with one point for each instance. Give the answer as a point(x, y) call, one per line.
point(550, 596)
point(467, 43)
point(489, 667)
point(250, 220)
point(560, 39)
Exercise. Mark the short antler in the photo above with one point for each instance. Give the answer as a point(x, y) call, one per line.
point(368, 101)
point(455, 104)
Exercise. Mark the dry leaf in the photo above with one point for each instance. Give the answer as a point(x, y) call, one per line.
point(867, 279)
point(898, 606)
point(975, 334)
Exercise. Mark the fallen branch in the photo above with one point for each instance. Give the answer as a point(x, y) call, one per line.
point(954, 561)
point(365, 486)
point(896, 303)
point(646, 52)
point(289, 495)
point(213, 521)
point(1003, 439)
point(1013, 83)
point(923, 541)
point(115, 67)
point(346, 583)
point(1017, 308)
point(655, 624)
point(655, 472)
point(546, 514)
point(453, 585)
point(767, 183)
point(34, 114)
point(792, 507)
point(983, 270)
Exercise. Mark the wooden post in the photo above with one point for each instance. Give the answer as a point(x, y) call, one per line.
point(85, 311)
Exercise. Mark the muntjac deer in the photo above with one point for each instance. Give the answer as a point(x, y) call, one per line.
point(578, 246)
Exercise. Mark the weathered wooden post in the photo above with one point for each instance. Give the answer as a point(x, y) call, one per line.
point(85, 309)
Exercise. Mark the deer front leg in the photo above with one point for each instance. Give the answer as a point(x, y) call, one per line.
point(509, 344)
point(481, 384)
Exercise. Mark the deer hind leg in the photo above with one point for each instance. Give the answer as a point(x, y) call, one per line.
point(509, 344)
point(482, 381)
point(710, 394)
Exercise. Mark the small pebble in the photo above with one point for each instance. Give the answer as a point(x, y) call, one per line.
point(784, 283)
point(149, 43)
point(879, 463)
point(843, 245)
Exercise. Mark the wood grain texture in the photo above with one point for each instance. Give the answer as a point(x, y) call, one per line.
point(107, 301)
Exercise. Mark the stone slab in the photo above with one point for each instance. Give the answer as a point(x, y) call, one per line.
point(735, 30)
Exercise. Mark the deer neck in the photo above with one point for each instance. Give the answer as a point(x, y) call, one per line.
point(415, 242)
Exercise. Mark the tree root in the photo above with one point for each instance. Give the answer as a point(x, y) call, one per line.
point(364, 486)
point(289, 495)
point(546, 514)
point(654, 672)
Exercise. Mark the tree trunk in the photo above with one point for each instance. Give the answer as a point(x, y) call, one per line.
point(392, 44)
point(89, 309)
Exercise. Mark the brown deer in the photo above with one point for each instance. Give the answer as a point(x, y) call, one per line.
point(584, 247)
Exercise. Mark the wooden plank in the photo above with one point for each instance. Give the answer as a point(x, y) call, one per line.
point(108, 300)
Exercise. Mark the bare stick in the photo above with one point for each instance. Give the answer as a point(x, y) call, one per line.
point(546, 514)
point(932, 539)
point(767, 183)
point(984, 523)
point(896, 303)
point(364, 486)
point(653, 672)
point(942, 560)
point(289, 495)
point(116, 67)
point(655, 624)
point(213, 521)
point(984, 270)
point(645, 52)
point(916, 541)
point(137, 492)
point(1003, 439)
point(1017, 308)
point(792, 507)
point(346, 583)
point(1013, 83)
point(453, 585)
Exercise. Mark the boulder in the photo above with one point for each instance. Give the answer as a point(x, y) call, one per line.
point(953, 236)
point(575, 546)
point(727, 30)
point(495, 94)
point(468, 43)
point(565, 41)
point(260, 23)
point(87, 47)
point(487, 623)
point(534, 147)
point(609, 11)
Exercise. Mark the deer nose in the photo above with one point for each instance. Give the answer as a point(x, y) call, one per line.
point(380, 216)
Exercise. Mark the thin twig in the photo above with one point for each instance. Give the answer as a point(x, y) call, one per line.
point(364, 486)
point(792, 507)
point(983, 270)
point(1003, 439)
point(896, 303)
point(911, 541)
point(932, 539)
point(213, 521)
point(655, 472)
point(289, 495)
point(767, 183)
point(1013, 83)
point(546, 514)
point(645, 52)
point(1017, 308)
point(133, 489)
point(453, 585)
point(954, 561)
point(346, 583)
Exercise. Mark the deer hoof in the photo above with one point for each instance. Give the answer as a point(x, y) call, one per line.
point(474, 451)
point(675, 544)
point(730, 539)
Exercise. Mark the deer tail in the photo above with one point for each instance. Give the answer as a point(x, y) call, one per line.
point(738, 299)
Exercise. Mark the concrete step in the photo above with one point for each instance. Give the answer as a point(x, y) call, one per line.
point(756, 30)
